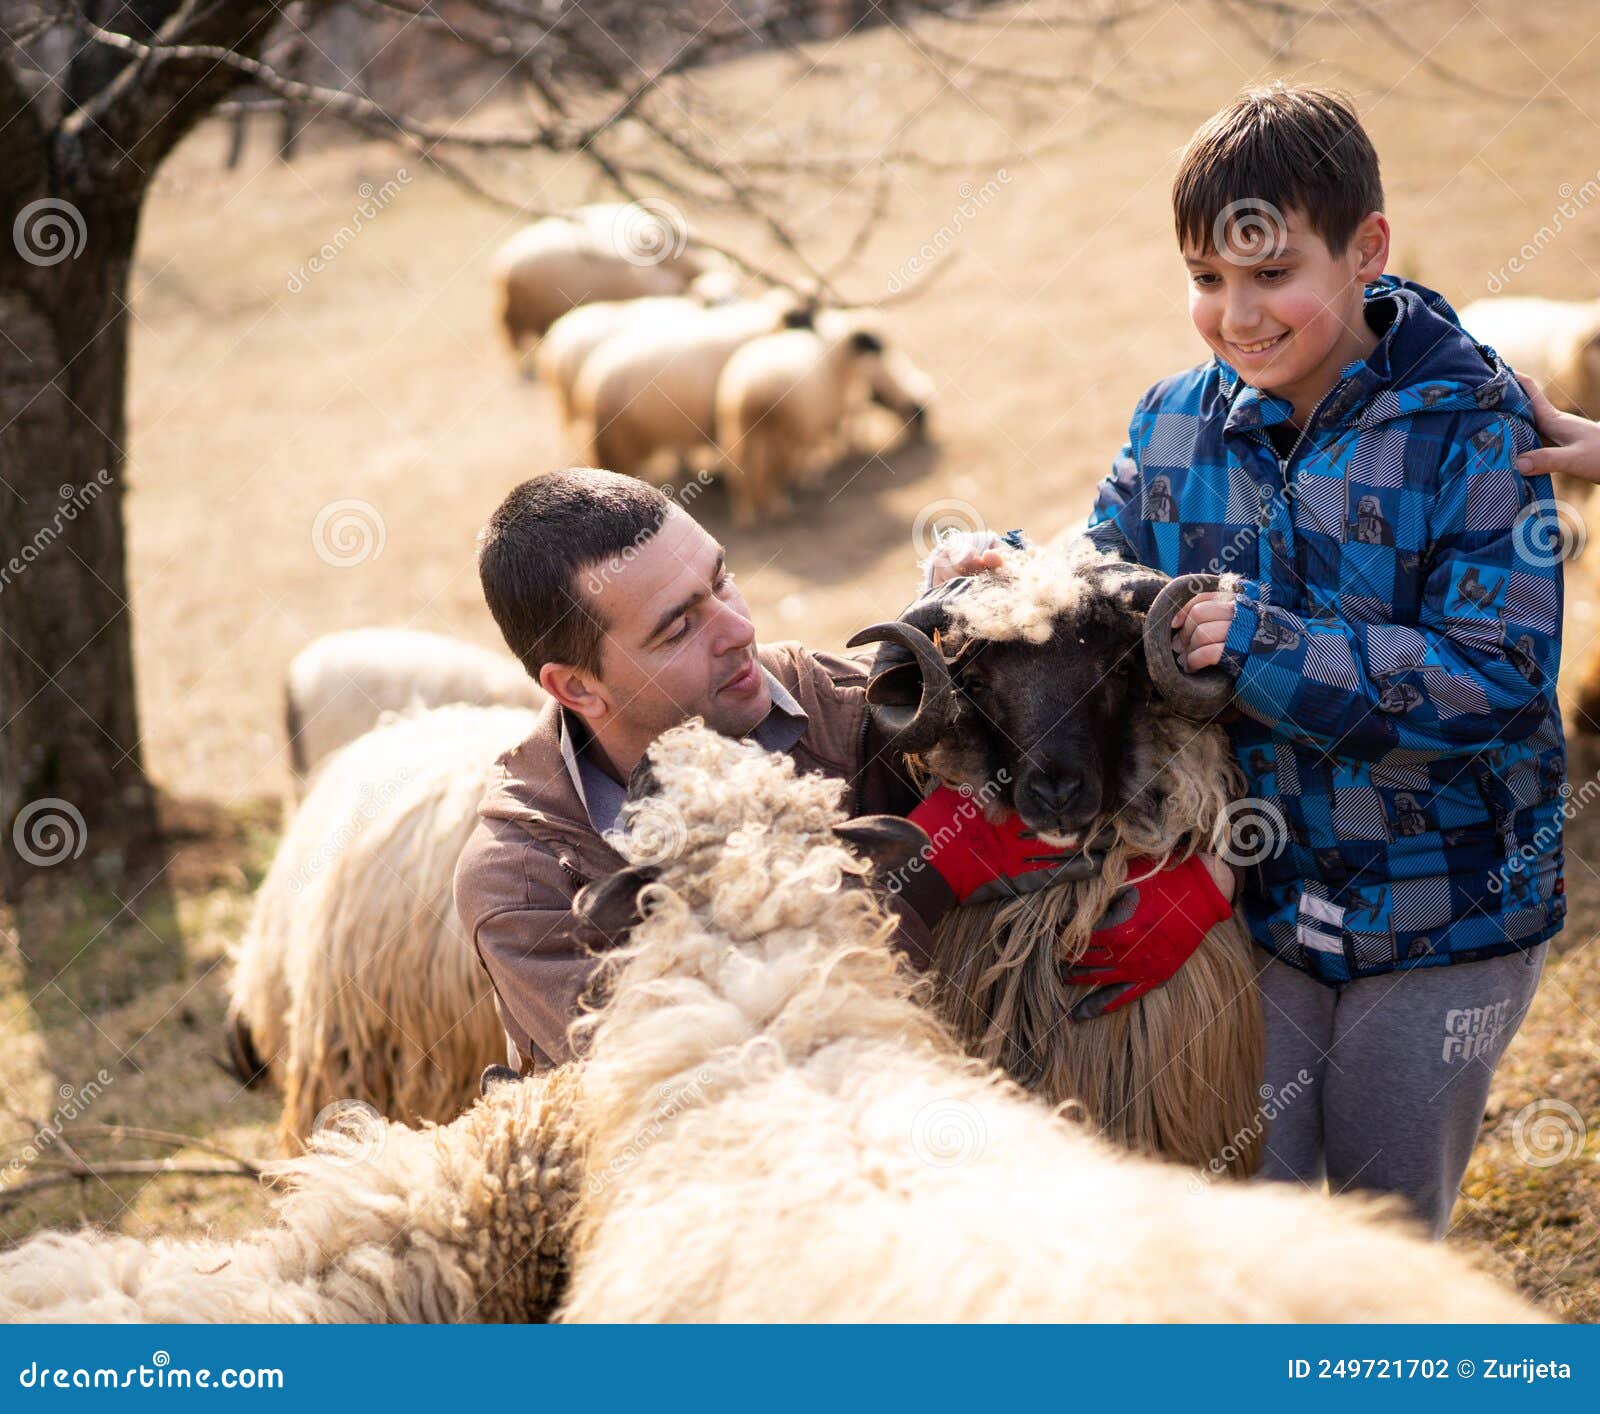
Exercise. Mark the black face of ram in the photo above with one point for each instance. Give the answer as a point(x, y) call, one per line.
point(1055, 718)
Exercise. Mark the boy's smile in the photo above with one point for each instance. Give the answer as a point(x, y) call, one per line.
point(1286, 312)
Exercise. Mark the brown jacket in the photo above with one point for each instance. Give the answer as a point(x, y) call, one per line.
point(534, 848)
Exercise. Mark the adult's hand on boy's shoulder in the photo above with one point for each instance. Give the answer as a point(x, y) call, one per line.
point(1572, 442)
point(1200, 628)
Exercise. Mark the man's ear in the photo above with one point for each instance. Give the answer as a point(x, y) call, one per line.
point(886, 842)
point(611, 905)
point(574, 689)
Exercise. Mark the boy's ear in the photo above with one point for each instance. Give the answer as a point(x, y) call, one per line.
point(1371, 241)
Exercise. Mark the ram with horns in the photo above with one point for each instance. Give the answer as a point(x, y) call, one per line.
point(1048, 687)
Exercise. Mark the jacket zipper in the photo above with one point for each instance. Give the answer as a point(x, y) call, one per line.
point(861, 756)
point(1284, 463)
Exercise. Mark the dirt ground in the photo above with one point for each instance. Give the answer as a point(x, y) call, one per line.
point(377, 392)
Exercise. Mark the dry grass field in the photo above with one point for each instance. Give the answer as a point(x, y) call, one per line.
point(383, 381)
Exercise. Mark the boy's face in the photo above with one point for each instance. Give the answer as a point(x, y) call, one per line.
point(1274, 302)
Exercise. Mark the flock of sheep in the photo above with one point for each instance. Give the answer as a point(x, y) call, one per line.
point(655, 363)
point(772, 1117)
point(769, 1122)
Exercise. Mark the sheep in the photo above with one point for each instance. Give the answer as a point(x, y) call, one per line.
point(782, 401)
point(651, 393)
point(1555, 342)
point(602, 252)
point(570, 341)
point(381, 1223)
point(355, 978)
point(777, 1127)
point(339, 685)
point(766, 1121)
point(1027, 687)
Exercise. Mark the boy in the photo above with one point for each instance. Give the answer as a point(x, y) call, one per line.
point(1393, 633)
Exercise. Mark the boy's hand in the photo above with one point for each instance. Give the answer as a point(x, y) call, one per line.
point(960, 553)
point(1574, 441)
point(1200, 628)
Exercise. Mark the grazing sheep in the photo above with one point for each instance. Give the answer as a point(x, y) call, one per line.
point(605, 252)
point(570, 341)
point(778, 1129)
point(1033, 688)
point(355, 979)
point(650, 394)
point(382, 1224)
point(1555, 342)
point(782, 401)
point(339, 685)
point(767, 1123)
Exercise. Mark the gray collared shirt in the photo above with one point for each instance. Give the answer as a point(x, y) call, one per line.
point(602, 796)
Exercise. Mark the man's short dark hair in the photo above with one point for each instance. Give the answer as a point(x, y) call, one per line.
point(1284, 147)
point(543, 546)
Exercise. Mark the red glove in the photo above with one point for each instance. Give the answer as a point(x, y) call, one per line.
point(1147, 934)
point(981, 861)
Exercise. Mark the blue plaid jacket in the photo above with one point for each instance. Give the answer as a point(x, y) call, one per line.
point(1395, 645)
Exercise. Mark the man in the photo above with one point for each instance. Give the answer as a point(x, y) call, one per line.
point(625, 611)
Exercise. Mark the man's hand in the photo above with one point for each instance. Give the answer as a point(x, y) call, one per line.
point(961, 553)
point(1574, 441)
point(1200, 628)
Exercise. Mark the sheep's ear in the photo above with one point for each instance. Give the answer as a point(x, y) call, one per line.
point(886, 842)
point(611, 905)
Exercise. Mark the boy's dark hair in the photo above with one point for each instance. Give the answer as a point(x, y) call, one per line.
point(1290, 147)
point(537, 542)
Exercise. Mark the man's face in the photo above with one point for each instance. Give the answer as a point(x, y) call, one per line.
point(1274, 302)
point(680, 641)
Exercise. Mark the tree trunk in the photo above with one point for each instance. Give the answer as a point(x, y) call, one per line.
point(69, 726)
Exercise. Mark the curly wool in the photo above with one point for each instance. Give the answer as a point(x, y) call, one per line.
point(382, 1223)
point(355, 977)
point(778, 1130)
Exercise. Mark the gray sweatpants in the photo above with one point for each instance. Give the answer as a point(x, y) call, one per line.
point(1381, 1083)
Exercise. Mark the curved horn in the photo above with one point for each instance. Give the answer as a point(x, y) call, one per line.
point(913, 729)
point(1194, 695)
